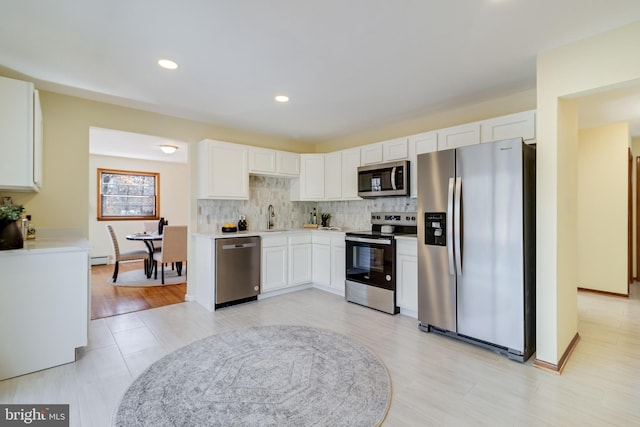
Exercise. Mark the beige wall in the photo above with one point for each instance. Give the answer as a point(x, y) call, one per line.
point(602, 208)
point(174, 200)
point(500, 106)
point(590, 65)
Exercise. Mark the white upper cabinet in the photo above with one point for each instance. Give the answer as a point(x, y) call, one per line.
point(421, 143)
point(395, 149)
point(350, 163)
point(263, 161)
point(288, 164)
point(386, 151)
point(20, 136)
point(519, 125)
point(371, 154)
point(310, 186)
point(223, 171)
point(333, 176)
point(459, 136)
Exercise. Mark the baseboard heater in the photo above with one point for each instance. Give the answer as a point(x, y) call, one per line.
point(99, 260)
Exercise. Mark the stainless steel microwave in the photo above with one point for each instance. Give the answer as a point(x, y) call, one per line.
point(386, 179)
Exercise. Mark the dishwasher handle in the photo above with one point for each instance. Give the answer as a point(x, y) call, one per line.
point(239, 246)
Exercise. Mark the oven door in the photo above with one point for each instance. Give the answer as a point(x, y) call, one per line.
point(370, 261)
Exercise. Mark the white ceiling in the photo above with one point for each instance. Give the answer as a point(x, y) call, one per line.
point(347, 65)
point(109, 142)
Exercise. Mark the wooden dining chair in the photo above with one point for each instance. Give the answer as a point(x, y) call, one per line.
point(174, 249)
point(139, 254)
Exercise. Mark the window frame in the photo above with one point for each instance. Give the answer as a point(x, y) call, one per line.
point(101, 216)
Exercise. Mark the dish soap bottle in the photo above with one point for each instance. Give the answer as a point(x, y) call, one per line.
point(314, 217)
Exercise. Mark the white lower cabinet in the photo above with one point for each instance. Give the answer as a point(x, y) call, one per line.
point(338, 263)
point(300, 259)
point(274, 273)
point(286, 261)
point(322, 260)
point(407, 276)
point(329, 261)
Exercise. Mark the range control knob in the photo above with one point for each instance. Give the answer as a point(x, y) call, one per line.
point(388, 277)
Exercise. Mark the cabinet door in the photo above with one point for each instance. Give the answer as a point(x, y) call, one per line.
point(321, 264)
point(350, 163)
point(300, 264)
point(519, 125)
point(16, 135)
point(371, 154)
point(338, 264)
point(37, 140)
point(288, 163)
point(222, 170)
point(407, 275)
point(421, 143)
point(395, 149)
point(262, 161)
point(333, 176)
point(274, 268)
point(312, 177)
point(459, 136)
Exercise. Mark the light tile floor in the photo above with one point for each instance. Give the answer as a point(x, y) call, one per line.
point(436, 381)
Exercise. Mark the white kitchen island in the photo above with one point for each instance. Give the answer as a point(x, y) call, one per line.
point(44, 302)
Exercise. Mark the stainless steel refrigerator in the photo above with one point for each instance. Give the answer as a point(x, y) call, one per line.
point(476, 245)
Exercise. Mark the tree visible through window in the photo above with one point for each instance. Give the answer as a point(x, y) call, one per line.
point(128, 195)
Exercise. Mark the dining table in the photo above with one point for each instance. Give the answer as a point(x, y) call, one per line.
point(147, 238)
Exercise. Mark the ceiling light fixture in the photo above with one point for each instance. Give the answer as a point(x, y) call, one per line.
point(168, 64)
point(168, 149)
point(282, 98)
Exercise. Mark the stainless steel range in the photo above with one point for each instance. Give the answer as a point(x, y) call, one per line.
point(371, 260)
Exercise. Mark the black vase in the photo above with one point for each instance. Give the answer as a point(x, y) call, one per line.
point(10, 235)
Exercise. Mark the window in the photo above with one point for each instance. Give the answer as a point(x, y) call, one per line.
point(128, 195)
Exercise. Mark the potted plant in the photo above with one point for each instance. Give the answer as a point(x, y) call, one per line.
point(10, 234)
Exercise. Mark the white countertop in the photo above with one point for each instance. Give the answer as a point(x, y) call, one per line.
point(52, 240)
point(264, 233)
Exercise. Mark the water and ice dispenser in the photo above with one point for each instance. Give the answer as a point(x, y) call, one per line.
point(435, 230)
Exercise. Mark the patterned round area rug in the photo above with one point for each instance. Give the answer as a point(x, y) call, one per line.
point(261, 376)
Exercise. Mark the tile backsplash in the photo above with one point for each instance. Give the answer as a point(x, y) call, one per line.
point(265, 191)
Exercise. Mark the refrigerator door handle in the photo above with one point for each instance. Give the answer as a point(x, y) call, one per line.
point(452, 270)
point(393, 178)
point(457, 228)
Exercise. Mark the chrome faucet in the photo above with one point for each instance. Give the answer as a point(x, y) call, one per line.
point(271, 215)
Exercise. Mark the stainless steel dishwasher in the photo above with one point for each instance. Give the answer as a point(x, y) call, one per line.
point(237, 270)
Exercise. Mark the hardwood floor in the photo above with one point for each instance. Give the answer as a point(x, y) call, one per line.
point(108, 300)
point(436, 381)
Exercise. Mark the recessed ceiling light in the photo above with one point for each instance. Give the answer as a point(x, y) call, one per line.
point(168, 64)
point(282, 98)
point(168, 149)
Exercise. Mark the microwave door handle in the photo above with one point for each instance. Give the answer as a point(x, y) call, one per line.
point(457, 229)
point(393, 177)
point(452, 270)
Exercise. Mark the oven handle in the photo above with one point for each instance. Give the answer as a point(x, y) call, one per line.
point(365, 240)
